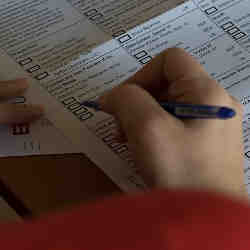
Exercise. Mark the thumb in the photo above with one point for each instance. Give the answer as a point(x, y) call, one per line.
point(136, 111)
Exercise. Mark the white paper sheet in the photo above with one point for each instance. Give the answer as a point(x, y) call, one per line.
point(40, 138)
point(75, 50)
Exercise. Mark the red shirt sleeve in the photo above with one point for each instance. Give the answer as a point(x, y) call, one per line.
point(171, 220)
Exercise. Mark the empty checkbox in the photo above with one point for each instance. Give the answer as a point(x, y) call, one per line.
point(25, 61)
point(91, 13)
point(33, 69)
point(239, 35)
point(146, 60)
point(124, 39)
point(227, 25)
point(211, 10)
point(141, 54)
point(42, 76)
point(96, 17)
point(69, 101)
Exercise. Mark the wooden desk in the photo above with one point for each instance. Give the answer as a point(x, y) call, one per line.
point(47, 183)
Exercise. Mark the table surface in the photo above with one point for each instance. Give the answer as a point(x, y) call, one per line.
point(49, 183)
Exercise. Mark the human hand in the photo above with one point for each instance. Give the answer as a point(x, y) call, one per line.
point(199, 154)
point(16, 113)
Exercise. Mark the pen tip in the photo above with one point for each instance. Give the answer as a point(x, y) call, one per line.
point(226, 113)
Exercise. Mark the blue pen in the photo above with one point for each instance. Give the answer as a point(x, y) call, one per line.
point(185, 111)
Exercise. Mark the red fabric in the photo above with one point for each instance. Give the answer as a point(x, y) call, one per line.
point(156, 221)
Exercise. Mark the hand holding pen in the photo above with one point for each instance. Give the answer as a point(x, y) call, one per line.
point(184, 111)
point(180, 153)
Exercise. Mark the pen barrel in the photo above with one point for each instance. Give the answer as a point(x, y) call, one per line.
point(190, 111)
point(199, 112)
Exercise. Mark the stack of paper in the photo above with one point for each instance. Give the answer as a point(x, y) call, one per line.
point(75, 50)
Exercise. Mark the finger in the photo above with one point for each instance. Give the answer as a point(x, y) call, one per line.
point(180, 65)
point(151, 76)
point(202, 91)
point(168, 66)
point(189, 82)
point(13, 88)
point(136, 110)
point(17, 114)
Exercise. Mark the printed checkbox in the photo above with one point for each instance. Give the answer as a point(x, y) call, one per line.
point(211, 10)
point(239, 35)
point(227, 25)
point(33, 69)
point(85, 116)
point(21, 129)
point(69, 101)
point(42, 76)
point(141, 54)
point(146, 60)
point(80, 111)
point(124, 39)
point(74, 106)
point(25, 61)
point(96, 17)
point(91, 12)
point(119, 33)
point(233, 31)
